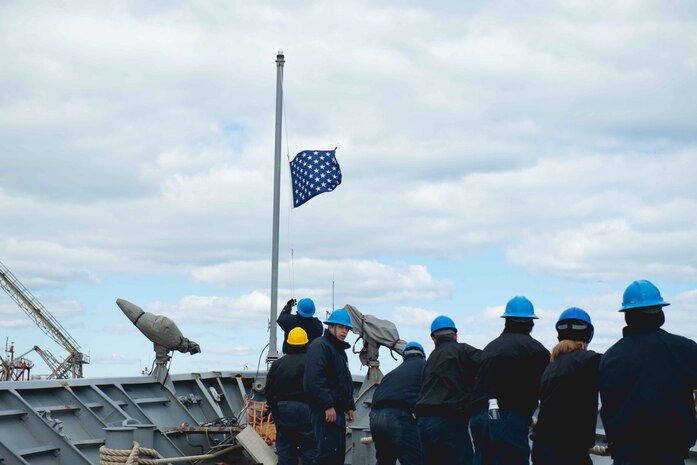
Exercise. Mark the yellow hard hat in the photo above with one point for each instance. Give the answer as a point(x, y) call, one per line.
point(297, 337)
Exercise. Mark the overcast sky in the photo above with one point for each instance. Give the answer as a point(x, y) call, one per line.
point(488, 149)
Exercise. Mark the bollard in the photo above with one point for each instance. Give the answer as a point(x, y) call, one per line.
point(144, 435)
point(119, 437)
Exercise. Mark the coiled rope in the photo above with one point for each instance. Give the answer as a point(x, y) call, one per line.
point(133, 456)
point(128, 457)
point(600, 450)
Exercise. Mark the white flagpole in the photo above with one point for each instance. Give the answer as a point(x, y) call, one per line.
point(273, 353)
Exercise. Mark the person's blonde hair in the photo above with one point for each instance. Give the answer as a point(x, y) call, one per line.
point(567, 345)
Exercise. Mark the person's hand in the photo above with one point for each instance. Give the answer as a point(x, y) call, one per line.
point(350, 416)
point(330, 415)
point(292, 302)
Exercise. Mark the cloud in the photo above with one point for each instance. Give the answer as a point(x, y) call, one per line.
point(234, 351)
point(410, 316)
point(356, 281)
point(607, 230)
point(15, 323)
point(608, 250)
point(680, 315)
point(170, 180)
point(11, 316)
point(219, 310)
point(121, 330)
point(479, 329)
point(115, 359)
point(14, 316)
point(136, 142)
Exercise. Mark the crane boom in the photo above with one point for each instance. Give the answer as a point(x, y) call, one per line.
point(58, 369)
point(44, 320)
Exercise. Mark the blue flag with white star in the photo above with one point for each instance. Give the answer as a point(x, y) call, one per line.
point(312, 173)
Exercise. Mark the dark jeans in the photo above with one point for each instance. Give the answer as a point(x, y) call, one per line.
point(395, 436)
point(544, 453)
point(331, 438)
point(500, 442)
point(445, 441)
point(633, 455)
point(294, 435)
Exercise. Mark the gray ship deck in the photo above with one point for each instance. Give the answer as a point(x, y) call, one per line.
point(65, 422)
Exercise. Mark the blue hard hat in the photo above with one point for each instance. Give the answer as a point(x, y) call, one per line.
point(576, 320)
point(575, 313)
point(443, 322)
point(413, 345)
point(339, 317)
point(306, 307)
point(519, 307)
point(642, 294)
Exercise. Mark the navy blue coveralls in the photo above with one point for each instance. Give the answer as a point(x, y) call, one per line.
point(392, 421)
point(566, 422)
point(510, 371)
point(287, 321)
point(289, 406)
point(328, 381)
point(646, 384)
point(442, 406)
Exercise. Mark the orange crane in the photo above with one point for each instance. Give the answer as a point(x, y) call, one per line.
point(71, 367)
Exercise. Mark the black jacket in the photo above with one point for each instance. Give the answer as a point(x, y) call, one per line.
point(447, 380)
point(646, 383)
point(327, 377)
point(400, 387)
point(511, 368)
point(569, 401)
point(285, 378)
point(288, 321)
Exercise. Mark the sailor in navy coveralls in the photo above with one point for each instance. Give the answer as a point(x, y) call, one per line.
point(646, 385)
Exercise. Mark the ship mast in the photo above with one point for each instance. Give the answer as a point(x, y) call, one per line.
point(273, 353)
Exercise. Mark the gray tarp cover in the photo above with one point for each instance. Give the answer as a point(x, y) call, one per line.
point(375, 333)
point(168, 334)
point(161, 330)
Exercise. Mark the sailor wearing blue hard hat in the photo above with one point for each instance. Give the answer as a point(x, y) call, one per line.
point(507, 383)
point(392, 421)
point(445, 391)
point(328, 381)
point(303, 318)
point(647, 380)
point(568, 413)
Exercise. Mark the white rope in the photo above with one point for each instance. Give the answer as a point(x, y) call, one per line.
point(600, 450)
point(128, 456)
point(132, 457)
point(367, 440)
point(291, 258)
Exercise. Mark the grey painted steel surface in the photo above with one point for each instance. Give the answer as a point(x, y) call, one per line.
point(65, 422)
